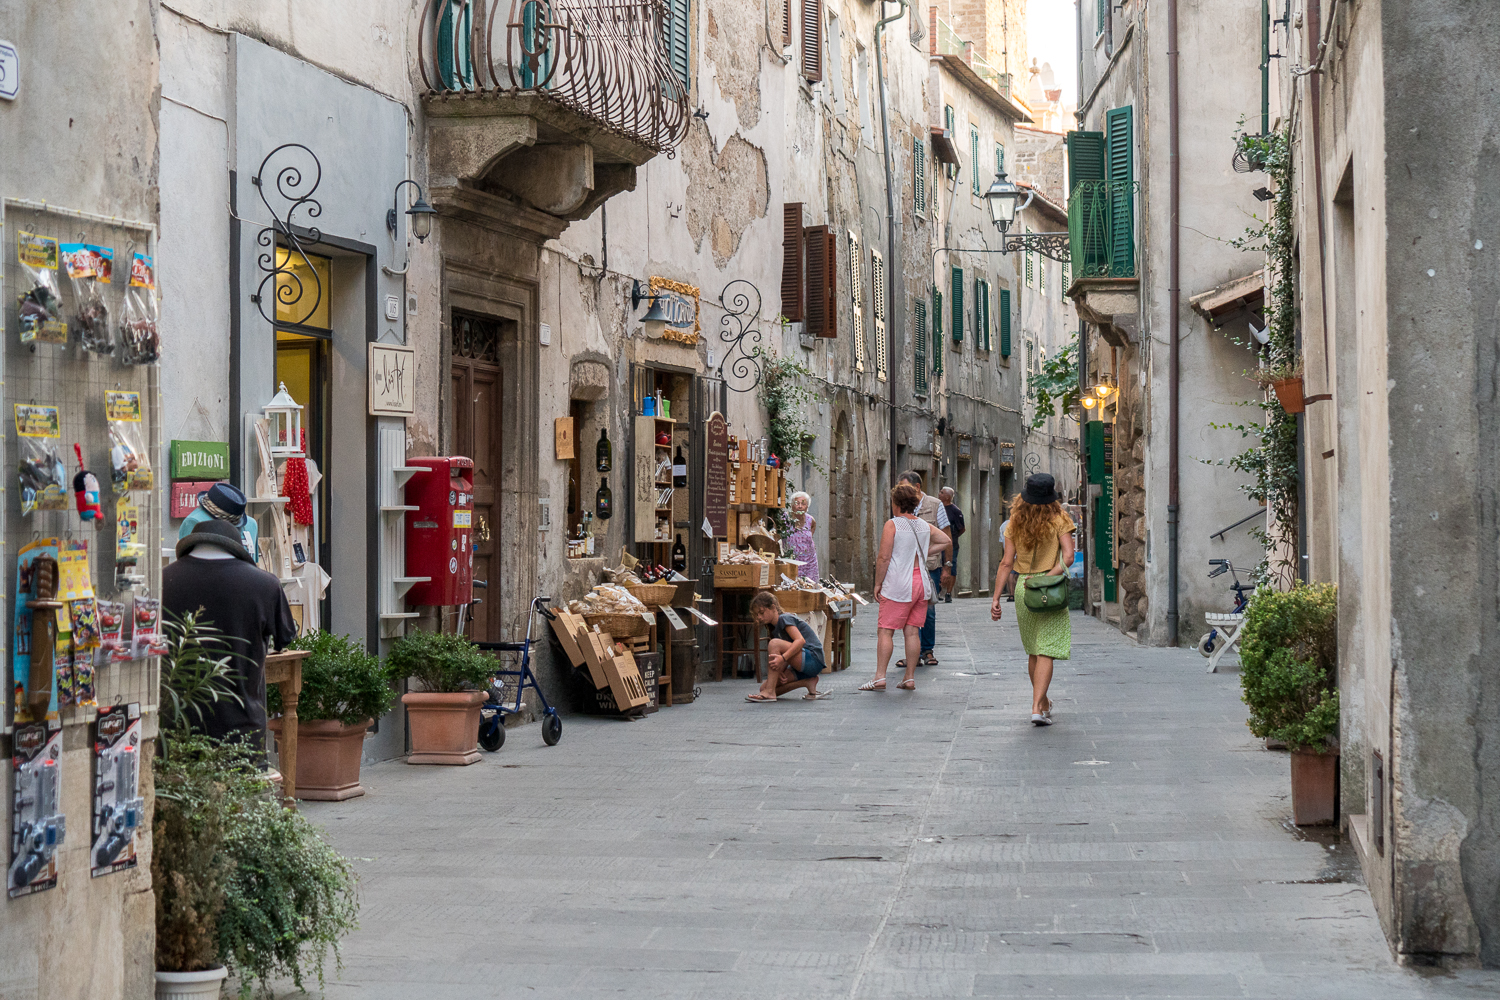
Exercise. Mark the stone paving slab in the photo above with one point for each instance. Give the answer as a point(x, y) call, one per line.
point(927, 844)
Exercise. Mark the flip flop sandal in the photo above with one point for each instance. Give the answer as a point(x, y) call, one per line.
point(928, 660)
point(873, 685)
point(759, 699)
point(818, 696)
point(907, 685)
point(900, 664)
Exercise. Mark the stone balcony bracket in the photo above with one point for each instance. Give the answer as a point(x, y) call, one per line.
point(1112, 304)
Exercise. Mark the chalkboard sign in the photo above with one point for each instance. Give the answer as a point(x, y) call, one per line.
point(716, 477)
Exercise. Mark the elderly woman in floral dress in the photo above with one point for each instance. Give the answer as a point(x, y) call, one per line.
point(804, 549)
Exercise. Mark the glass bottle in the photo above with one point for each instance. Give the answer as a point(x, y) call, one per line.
point(679, 555)
point(604, 452)
point(604, 500)
point(588, 533)
point(679, 469)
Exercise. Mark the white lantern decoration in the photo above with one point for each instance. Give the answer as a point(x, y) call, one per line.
point(284, 419)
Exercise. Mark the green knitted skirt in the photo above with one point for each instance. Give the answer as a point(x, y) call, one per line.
point(1043, 633)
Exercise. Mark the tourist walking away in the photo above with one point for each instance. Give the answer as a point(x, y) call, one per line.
point(902, 584)
point(955, 531)
point(804, 549)
point(1039, 545)
point(931, 510)
point(796, 652)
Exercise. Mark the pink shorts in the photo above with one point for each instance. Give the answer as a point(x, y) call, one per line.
point(896, 615)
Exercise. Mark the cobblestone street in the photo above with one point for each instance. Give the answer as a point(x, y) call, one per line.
point(931, 844)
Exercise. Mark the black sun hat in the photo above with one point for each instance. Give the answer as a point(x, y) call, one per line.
point(1040, 489)
point(217, 533)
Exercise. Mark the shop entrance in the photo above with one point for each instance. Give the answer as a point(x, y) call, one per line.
point(842, 517)
point(477, 397)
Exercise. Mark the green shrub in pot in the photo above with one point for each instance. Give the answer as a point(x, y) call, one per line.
point(1289, 665)
point(340, 681)
point(440, 662)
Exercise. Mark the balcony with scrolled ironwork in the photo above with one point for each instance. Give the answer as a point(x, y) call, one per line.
point(1102, 245)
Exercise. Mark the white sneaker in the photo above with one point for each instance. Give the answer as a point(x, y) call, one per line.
point(1041, 718)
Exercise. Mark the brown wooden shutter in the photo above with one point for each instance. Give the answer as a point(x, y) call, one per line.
point(812, 39)
point(786, 21)
point(822, 281)
point(791, 261)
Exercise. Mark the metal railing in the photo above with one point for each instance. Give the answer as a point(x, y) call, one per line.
point(1101, 229)
point(604, 59)
point(947, 42)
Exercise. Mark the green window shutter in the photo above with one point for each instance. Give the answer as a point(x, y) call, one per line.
point(974, 158)
point(1005, 322)
point(1065, 282)
point(1087, 205)
point(1101, 11)
point(958, 305)
point(675, 28)
point(919, 349)
point(999, 159)
point(919, 175)
point(937, 331)
point(981, 320)
point(1085, 158)
point(948, 117)
point(1120, 168)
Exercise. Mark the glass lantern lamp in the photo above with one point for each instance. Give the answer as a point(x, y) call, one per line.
point(284, 417)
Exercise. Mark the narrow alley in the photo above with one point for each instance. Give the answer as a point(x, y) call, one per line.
point(931, 845)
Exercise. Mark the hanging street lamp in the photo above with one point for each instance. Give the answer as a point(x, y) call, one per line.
point(1002, 198)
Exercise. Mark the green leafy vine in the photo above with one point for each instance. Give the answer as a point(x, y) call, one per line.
point(1054, 391)
point(785, 392)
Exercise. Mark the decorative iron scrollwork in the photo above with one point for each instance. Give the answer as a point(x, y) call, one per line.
point(1054, 245)
point(739, 331)
point(296, 182)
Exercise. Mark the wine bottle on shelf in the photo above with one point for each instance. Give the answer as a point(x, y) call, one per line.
point(604, 500)
point(679, 471)
point(679, 555)
point(604, 452)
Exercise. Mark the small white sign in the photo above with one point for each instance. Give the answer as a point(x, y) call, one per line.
point(393, 307)
point(546, 331)
point(701, 616)
point(10, 71)
point(392, 370)
point(672, 619)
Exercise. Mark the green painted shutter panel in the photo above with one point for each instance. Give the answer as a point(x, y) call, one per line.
point(974, 158)
point(1087, 204)
point(958, 305)
point(937, 331)
point(1101, 12)
point(1005, 322)
point(676, 31)
point(1085, 158)
point(999, 159)
point(919, 350)
point(948, 117)
point(981, 322)
point(919, 174)
point(1120, 168)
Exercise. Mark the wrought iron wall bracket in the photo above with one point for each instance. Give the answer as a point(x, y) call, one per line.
point(296, 181)
point(1054, 245)
point(738, 330)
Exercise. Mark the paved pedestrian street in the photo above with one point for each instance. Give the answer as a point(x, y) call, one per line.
point(932, 844)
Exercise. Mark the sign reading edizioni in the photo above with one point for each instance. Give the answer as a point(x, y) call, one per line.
point(200, 460)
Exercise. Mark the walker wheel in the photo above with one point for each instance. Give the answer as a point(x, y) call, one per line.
point(492, 735)
point(1207, 644)
point(551, 730)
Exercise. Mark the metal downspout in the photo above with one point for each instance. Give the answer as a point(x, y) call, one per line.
point(1174, 293)
point(893, 262)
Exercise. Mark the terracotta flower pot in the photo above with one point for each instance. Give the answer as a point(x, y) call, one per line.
point(444, 726)
point(184, 985)
point(1289, 394)
point(1315, 779)
point(328, 755)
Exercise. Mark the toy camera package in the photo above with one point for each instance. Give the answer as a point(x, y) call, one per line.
point(40, 313)
point(44, 480)
point(118, 806)
point(37, 822)
point(89, 269)
point(129, 462)
point(140, 337)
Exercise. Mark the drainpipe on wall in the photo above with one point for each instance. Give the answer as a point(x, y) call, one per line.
point(893, 262)
point(1174, 294)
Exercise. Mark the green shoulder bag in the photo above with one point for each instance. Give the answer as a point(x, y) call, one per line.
point(1046, 593)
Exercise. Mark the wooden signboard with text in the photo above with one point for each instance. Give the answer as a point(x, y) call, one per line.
point(716, 475)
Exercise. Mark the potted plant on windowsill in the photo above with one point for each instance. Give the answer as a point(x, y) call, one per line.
point(444, 714)
point(1289, 681)
point(1286, 381)
point(344, 689)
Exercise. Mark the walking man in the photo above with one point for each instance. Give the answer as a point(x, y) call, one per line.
point(956, 529)
point(931, 510)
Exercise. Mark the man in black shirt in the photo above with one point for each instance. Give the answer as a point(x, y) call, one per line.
point(216, 577)
point(955, 529)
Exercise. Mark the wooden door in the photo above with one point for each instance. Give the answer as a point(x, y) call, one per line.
point(476, 381)
point(842, 515)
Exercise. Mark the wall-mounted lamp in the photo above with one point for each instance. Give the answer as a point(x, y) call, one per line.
point(1001, 199)
point(655, 320)
point(1088, 401)
point(421, 213)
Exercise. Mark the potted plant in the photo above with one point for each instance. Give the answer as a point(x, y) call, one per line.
point(1288, 677)
point(444, 715)
point(344, 689)
point(1286, 381)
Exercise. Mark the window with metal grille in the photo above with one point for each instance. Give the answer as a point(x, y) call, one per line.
point(476, 338)
point(856, 290)
point(919, 348)
point(918, 175)
point(974, 158)
point(878, 294)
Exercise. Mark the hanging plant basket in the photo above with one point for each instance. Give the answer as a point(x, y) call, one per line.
point(1289, 394)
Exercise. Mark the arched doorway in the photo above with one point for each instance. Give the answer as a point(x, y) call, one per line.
point(843, 519)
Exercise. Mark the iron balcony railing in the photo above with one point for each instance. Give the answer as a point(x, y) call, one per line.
point(1101, 229)
point(604, 59)
point(947, 42)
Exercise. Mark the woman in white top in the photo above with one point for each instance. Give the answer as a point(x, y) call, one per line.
point(903, 584)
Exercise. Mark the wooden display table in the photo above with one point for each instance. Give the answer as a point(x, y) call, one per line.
point(284, 669)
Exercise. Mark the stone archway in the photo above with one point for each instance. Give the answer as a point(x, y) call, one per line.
point(843, 515)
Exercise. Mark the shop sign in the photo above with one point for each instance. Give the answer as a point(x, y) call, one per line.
point(10, 71)
point(186, 494)
point(1007, 454)
point(680, 303)
point(716, 478)
point(965, 446)
point(392, 374)
point(200, 460)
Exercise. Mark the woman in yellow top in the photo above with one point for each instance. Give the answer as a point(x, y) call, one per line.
point(1038, 541)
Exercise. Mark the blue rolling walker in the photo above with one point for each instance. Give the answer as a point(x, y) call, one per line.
point(494, 710)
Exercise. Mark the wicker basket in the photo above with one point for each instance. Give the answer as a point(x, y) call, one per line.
point(619, 626)
point(653, 595)
point(798, 602)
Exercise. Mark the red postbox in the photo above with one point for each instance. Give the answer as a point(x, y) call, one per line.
point(439, 533)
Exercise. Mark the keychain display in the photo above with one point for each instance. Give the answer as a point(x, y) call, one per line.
point(89, 268)
point(42, 476)
point(32, 666)
point(119, 809)
point(85, 489)
point(38, 826)
point(40, 309)
point(140, 337)
point(129, 462)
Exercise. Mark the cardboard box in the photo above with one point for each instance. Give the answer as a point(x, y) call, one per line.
point(598, 652)
point(570, 629)
point(744, 575)
point(625, 682)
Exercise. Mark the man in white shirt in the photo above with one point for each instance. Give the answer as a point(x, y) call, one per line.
point(929, 509)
